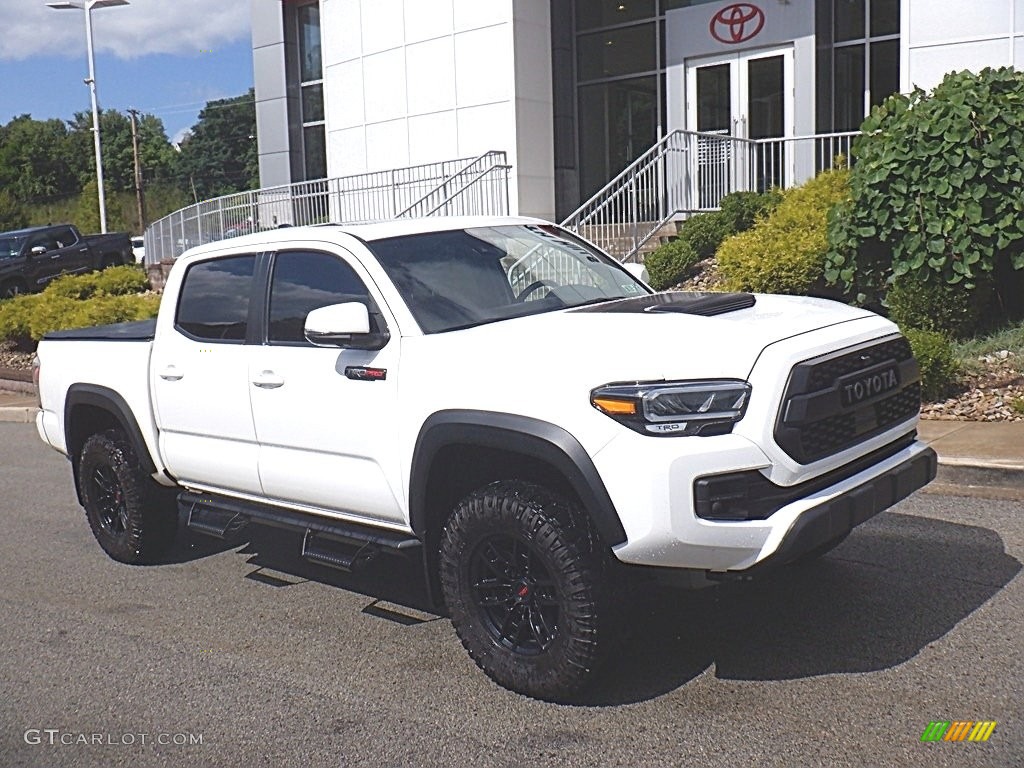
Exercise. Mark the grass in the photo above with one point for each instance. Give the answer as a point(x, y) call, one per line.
point(1010, 339)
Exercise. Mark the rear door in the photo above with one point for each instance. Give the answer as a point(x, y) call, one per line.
point(326, 418)
point(200, 378)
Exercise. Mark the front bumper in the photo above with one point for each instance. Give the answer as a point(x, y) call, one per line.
point(655, 501)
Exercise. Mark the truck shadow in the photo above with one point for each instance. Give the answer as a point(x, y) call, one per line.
point(897, 584)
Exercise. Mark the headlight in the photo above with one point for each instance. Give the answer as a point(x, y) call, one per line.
point(667, 408)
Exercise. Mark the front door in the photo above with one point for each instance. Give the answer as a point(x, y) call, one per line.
point(326, 418)
point(747, 98)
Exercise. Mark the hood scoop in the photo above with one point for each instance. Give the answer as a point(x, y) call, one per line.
point(706, 304)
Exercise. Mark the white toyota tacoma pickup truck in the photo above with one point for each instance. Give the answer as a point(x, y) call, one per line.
point(496, 397)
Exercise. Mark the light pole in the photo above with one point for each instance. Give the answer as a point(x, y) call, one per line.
point(87, 6)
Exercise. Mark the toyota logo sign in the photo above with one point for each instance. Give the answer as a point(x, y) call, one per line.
point(737, 23)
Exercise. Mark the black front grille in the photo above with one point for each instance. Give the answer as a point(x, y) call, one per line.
point(817, 420)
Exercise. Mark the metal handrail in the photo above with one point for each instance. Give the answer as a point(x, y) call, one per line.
point(448, 180)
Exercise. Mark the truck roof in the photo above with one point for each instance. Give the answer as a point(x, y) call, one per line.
point(366, 232)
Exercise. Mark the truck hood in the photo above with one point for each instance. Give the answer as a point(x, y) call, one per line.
point(627, 341)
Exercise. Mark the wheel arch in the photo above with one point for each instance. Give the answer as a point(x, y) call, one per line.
point(89, 409)
point(457, 449)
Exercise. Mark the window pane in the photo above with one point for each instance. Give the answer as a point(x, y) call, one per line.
point(849, 88)
point(591, 14)
point(214, 300)
point(315, 151)
point(849, 20)
point(618, 122)
point(885, 70)
point(714, 99)
point(303, 282)
point(617, 52)
point(310, 66)
point(765, 97)
point(312, 103)
point(885, 17)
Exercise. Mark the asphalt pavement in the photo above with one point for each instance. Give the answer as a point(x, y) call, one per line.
point(246, 656)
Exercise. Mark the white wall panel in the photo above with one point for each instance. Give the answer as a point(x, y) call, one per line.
point(485, 128)
point(472, 14)
point(387, 145)
point(936, 21)
point(483, 65)
point(433, 137)
point(428, 19)
point(346, 151)
point(430, 75)
point(384, 86)
point(929, 65)
point(341, 30)
point(343, 84)
point(383, 25)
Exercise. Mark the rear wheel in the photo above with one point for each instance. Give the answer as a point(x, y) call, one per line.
point(126, 514)
point(524, 582)
point(11, 289)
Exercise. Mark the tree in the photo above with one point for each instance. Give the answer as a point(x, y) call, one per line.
point(35, 159)
point(12, 213)
point(218, 156)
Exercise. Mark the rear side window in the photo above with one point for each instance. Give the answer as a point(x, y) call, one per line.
point(214, 301)
point(304, 281)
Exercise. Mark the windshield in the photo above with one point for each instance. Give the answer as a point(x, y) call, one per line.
point(466, 277)
point(10, 246)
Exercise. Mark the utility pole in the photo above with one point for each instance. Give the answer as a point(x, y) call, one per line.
point(139, 199)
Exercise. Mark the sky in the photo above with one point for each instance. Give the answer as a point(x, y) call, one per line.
point(163, 57)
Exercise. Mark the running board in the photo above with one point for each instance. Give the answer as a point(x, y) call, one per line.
point(325, 541)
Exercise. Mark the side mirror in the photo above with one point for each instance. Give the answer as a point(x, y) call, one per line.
point(343, 325)
point(639, 271)
point(38, 250)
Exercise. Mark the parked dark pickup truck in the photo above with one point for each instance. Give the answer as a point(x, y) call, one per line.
point(30, 258)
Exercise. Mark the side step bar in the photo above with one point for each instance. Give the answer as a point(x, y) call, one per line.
point(332, 543)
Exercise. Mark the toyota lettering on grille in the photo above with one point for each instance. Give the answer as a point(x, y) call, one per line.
point(856, 390)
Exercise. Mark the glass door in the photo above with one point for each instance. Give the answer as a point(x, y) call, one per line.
point(747, 99)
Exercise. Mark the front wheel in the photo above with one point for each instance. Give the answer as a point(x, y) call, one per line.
point(127, 517)
point(523, 580)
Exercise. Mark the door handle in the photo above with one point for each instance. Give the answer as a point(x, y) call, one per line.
point(170, 373)
point(268, 380)
point(55, 256)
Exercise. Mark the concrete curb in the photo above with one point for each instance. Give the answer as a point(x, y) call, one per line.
point(18, 414)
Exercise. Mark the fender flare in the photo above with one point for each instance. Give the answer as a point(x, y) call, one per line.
point(113, 403)
point(537, 439)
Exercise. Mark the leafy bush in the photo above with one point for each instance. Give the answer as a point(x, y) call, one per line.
point(58, 313)
point(740, 210)
point(78, 301)
point(669, 264)
point(932, 305)
point(114, 281)
point(935, 357)
point(785, 251)
point(936, 187)
point(705, 232)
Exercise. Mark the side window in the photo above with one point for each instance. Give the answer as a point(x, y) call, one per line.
point(45, 239)
point(304, 281)
point(65, 237)
point(214, 301)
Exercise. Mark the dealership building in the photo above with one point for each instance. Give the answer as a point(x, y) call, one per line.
point(572, 91)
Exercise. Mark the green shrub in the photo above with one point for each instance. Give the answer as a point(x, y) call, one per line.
point(785, 251)
point(114, 281)
point(59, 313)
point(936, 188)
point(705, 232)
point(16, 316)
point(935, 357)
point(740, 210)
point(669, 264)
point(931, 305)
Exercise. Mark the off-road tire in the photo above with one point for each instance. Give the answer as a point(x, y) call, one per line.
point(525, 582)
point(130, 519)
